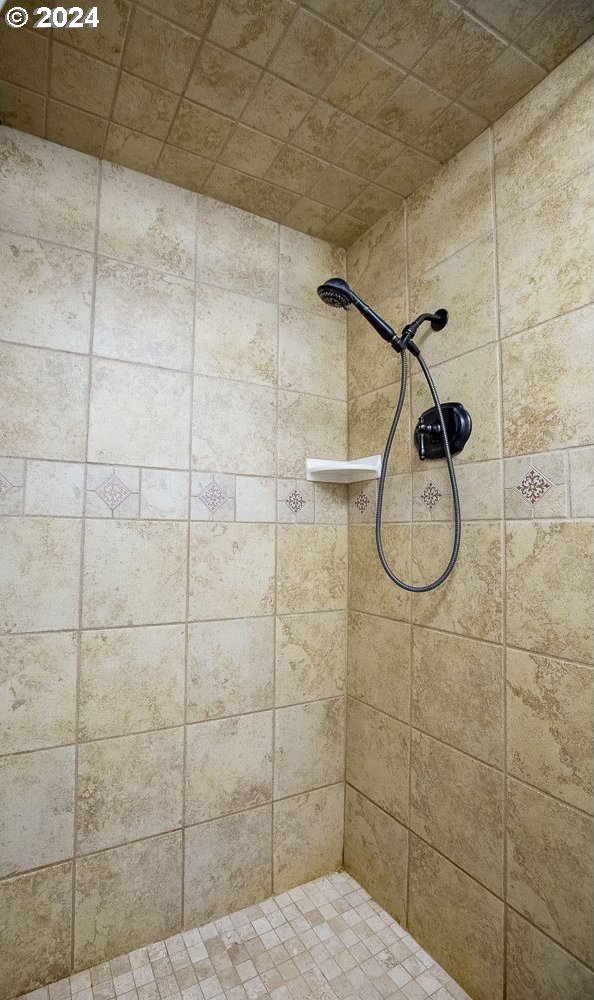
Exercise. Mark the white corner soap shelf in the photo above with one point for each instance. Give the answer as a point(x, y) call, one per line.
point(324, 470)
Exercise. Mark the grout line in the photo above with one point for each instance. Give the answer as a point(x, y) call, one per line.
point(275, 606)
point(407, 299)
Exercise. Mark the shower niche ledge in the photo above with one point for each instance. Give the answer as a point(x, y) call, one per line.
point(325, 470)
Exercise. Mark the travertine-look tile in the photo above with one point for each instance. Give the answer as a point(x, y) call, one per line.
point(227, 864)
point(164, 494)
point(139, 415)
point(309, 427)
point(545, 259)
point(538, 969)
point(376, 263)
point(311, 568)
point(131, 149)
point(471, 603)
point(129, 787)
point(331, 503)
point(159, 51)
point(457, 806)
point(12, 471)
point(80, 80)
point(310, 657)
point(38, 691)
point(233, 427)
point(549, 725)
point(362, 83)
point(276, 107)
point(46, 294)
point(44, 411)
point(126, 897)
point(557, 31)
point(377, 758)
point(379, 663)
point(37, 808)
point(222, 81)
point(131, 680)
point(370, 589)
point(304, 264)
point(36, 942)
point(370, 417)
point(406, 32)
point(310, 52)
point(549, 870)
point(309, 746)
point(255, 498)
point(251, 194)
point(231, 571)
point(376, 851)
point(143, 106)
point(49, 192)
point(235, 336)
point(465, 284)
point(581, 464)
point(506, 80)
point(112, 491)
point(468, 938)
point(312, 353)
point(230, 667)
point(237, 250)
point(452, 131)
point(134, 573)
point(452, 209)
point(251, 31)
point(55, 488)
point(372, 363)
point(307, 836)
point(549, 588)
point(145, 221)
point(459, 55)
point(40, 574)
point(250, 151)
point(229, 766)
point(457, 692)
point(564, 418)
point(23, 109)
point(180, 167)
point(536, 486)
point(158, 310)
point(75, 128)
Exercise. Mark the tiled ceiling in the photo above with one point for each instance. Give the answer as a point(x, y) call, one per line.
point(320, 114)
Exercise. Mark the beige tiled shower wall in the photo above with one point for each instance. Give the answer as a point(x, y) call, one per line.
point(173, 592)
point(469, 735)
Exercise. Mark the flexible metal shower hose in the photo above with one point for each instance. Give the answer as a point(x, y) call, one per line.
point(383, 474)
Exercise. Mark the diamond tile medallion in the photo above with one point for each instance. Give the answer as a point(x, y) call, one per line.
point(5, 486)
point(326, 940)
point(431, 496)
point(213, 496)
point(362, 501)
point(533, 486)
point(113, 492)
point(295, 501)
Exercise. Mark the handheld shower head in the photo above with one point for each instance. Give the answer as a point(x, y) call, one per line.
point(336, 293)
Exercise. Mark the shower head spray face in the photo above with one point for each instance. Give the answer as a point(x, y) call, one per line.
point(336, 293)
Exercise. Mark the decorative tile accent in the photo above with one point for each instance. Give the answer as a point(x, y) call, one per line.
point(431, 495)
point(362, 501)
point(295, 501)
point(113, 492)
point(5, 486)
point(323, 938)
point(213, 496)
point(533, 486)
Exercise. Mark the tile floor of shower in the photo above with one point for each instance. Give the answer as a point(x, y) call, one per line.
point(326, 939)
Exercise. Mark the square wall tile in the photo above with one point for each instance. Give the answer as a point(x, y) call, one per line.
point(536, 965)
point(55, 488)
point(457, 692)
point(229, 766)
point(37, 691)
point(310, 657)
point(231, 570)
point(305, 263)
point(376, 852)
point(36, 943)
point(549, 725)
point(312, 353)
point(164, 494)
point(213, 497)
point(235, 336)
point(371, 364)
point(307, 836)
point(54, 307)
point(581, 464)
point(131, 680)
point(549, 874)
point(227, 865)
point(50, 192)
point(159, 51)
point(376, 263)
point(237, 250)
point(40, 578)
point(158, 311)
point(549, 588)
point(126, 897)
point(255, 498)
point(370, 590)
point(379, 663)
point(472, 602)
point(139, 415)
point(112, 491)
point(377, 758)
point(38, 809)
point(312, 567)
point(457, 806)
point(309, 427)
point(452, 209)
point(146, 221)
point(309, 746)
point(45, 399)
point(135, 573)
point(230, 667)
point(370, 418)
point(467, 940)
point(234, 427)
point(129, 787)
